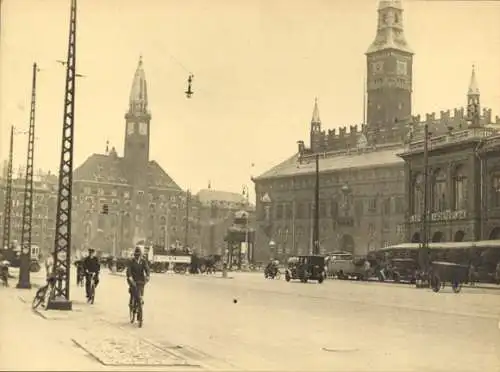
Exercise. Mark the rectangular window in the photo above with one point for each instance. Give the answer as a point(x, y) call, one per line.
point(387, 206)
point(372, 205)
point(299, 212)
point(399, 205)
point(322, 210)
point(496, 190)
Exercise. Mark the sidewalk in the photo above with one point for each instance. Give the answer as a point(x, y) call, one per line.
point(73, 340)
point(28, 342)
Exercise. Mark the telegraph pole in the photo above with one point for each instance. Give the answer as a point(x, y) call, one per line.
point(24, 267)
point(316, 211)
point(62, 242)
point(186, 232)
point(425, 225)
point(8, 196)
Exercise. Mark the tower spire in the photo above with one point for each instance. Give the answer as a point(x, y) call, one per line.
point(473, 86)
point(315, 115)
point(138, 102)
point(473, 101)
point(315, 135)
point(390, 30)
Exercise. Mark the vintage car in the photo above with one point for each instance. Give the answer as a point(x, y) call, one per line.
point(343, 265)
point(404, 269)
point(305, 268)
point(399, 269)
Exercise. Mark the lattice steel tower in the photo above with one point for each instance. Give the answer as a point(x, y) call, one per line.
point(24, 269)
point(62, 243)
point(8, 195)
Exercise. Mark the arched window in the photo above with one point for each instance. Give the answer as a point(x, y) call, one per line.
point(459, 189)
point(439, 191)
point(418, 195)
point(334, 208)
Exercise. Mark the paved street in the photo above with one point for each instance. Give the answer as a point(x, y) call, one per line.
point(276, 325)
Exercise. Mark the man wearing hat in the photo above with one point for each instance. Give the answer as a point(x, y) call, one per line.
point(91, 265)
point(137, 275)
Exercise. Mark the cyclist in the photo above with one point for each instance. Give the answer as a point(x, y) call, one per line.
point(91, 266)
point(137, 275)
point(79, 271)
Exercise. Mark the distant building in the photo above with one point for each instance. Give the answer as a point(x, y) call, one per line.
point(144, 202)
point(363, 200)
point(44, 208)
point(216, 210)
point(463, 178)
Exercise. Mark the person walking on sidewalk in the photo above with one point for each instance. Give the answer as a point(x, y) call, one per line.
point(49, 265)
point(91, 266)
point(137, 275)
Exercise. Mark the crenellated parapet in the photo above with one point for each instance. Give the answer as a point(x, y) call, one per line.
point(449, 120)
point(338, 138)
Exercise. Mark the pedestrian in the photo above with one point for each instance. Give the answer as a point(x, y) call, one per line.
point(49, 265)
point(367, 266)
point(91, 267)
point(472, 274)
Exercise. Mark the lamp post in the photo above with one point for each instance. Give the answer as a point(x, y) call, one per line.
point(272, 246)
point(316, 210)
point(247, 244)
point(346, 191)
point(425, 223)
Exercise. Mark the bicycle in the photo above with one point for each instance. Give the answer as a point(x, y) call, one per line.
point(44, 293)
point(136, 307)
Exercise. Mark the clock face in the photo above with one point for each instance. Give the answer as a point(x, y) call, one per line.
point(377, 67)
point(130, 128)
point(401, 68)
point(143, 128)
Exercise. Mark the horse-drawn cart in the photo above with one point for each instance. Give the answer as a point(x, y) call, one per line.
point(442, 272)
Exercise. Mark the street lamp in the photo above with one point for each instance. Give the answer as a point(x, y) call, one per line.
point(346, 190)
point(247, 245)
point(272, 246)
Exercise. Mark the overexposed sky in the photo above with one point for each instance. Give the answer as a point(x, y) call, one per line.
point(258, 66)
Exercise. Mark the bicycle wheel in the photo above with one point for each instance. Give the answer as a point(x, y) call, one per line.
point(39, 297)
point(92, 293)
point(132, 310)
point(139, 313)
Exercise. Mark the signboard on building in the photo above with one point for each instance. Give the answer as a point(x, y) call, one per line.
point(172, 259)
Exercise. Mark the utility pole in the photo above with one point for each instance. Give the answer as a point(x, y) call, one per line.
point(24, 267)
point(62, 241)
point(425, 227)
point(8, 196)
point(186, 232)
point(316, 211)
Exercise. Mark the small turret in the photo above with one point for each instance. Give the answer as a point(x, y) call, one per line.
point(316, 135)
point(473, 101)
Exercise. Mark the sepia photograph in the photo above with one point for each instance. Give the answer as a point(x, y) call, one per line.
point(251, 185)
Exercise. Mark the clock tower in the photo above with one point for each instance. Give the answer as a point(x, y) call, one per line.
point(137, 128)
point(389, 71)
